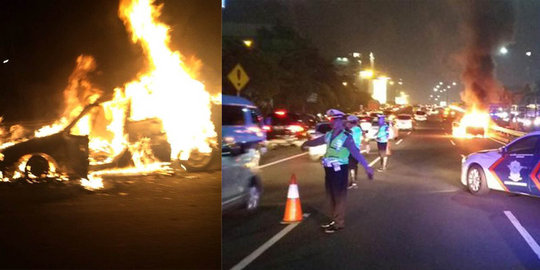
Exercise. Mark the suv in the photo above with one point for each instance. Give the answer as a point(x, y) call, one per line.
point(243, 142)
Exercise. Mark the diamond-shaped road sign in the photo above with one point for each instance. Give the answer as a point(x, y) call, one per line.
point(238, 77)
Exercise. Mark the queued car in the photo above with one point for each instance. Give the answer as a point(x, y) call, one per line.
point(243, 142)
point(420, 116)
point(285, 128)
point(404, 122)
point(511, 168)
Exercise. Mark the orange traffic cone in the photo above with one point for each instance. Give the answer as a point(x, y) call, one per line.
point(293, 210)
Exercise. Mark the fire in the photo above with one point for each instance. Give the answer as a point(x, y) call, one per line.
point(473, 123)
point(166, 92)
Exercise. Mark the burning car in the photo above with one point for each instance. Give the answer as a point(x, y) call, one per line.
point(473, 124)
point(61, 155)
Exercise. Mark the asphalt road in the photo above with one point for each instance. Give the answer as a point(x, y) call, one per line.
point(414, 216)
point(171, 222)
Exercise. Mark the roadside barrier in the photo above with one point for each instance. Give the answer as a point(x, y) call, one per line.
point(504, 134)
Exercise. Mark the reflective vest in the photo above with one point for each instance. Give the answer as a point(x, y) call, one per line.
point(383, 134)
point(335, 149)
point(357, 135)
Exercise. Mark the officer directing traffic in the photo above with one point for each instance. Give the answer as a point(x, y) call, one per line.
point(340, 144)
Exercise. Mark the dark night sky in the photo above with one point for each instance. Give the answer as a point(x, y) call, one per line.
point(419, 41)
point(42, 40)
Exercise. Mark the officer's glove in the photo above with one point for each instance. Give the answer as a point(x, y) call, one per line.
point(369, 172)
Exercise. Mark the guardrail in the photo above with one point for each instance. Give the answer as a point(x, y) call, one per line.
point(504, 134)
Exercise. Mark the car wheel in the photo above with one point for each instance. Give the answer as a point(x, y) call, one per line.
point(254, 196)
point(198, 161)
point(476, 180)
point(36, 167)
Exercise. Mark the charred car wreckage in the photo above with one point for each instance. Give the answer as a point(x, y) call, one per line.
point(66, 156)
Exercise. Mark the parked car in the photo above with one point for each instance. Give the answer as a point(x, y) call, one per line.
point(243, 142)
point(512, 168)
point(285, 128)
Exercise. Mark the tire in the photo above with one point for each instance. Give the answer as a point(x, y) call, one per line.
point(198, 161)
point(36, 167)
point(254, 196)
point(476, 180)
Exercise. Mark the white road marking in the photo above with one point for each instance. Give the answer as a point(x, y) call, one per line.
point(251, 257)
point(398, 142)
point(443, 191)
point(374, 161)
point(453, 143)
point(497, 141)
point(528, 238)
point(281, 160)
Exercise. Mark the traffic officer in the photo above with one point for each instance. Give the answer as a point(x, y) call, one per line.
point(382, 142)
point(340, 144)
point(352, 127)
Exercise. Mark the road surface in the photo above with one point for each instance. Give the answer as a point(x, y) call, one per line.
point(159, 222)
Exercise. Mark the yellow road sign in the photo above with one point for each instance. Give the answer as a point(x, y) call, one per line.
point(238, 77)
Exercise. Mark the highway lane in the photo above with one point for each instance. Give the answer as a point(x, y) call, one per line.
point(414, 216)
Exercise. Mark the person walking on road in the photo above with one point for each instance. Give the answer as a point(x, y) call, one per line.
point(340, 144)
point(383, 135)
point(356, 132)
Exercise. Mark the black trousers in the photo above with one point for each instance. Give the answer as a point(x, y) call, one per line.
point(336, 189)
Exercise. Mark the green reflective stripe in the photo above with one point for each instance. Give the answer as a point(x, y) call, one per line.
point(357, 135)
point(382, 134)
point(335, 149)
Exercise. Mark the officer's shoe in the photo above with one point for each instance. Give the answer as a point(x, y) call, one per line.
point(332, 229)
point(328, 225)
point(352, 186)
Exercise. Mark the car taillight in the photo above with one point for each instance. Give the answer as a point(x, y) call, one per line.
point(295, 128)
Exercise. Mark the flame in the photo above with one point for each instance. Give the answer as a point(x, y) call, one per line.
point(166, 91)
point(472, 118)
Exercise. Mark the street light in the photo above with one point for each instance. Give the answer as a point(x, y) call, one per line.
point(440, 83)
point(528, 53)
point(248, 43)
point(453, 83)
point(503, 50)
point(5, 61)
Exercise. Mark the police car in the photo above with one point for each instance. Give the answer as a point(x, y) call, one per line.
point(511, 168)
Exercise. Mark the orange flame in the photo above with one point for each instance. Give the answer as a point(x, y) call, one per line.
point(472, 118)
point(167, 92)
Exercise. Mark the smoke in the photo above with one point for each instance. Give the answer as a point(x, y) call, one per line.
point(490, 25)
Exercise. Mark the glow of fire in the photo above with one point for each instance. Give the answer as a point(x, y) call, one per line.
point(166, 91)
point(471, 119)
